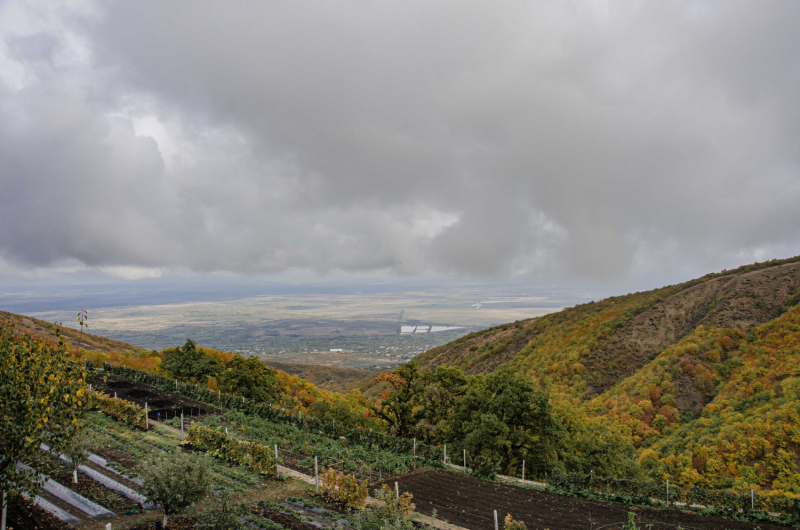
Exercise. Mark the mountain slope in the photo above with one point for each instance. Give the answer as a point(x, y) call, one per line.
point(704, 377)
point(585, 349)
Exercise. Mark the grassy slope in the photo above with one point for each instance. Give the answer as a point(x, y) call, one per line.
point(39, 329)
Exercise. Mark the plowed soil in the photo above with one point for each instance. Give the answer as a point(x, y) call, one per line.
point(91, 489)
point(161, 405)
point(24, 515)
point(470, 502)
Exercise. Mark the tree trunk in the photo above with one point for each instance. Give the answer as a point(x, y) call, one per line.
point(3, 516)
point(164, 521)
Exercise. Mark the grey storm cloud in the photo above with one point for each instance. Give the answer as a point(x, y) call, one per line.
point(559, 140)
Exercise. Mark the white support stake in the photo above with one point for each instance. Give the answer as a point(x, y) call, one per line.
point(495, 520)
point(415, 448)
point(146, 419)
point(182, 436)
point(445, 454)
point(108, 526)
point(316, 474)
point(396, 491)
point(752, 502)
point(667, 492)
point(176, 384)
point(523, 472)
point(3, 515)
point(465, 460)
point(277, 473)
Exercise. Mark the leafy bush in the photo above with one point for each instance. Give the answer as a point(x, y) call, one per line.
point(510, 524)
point(391, 513)
point(219, 444)
point(119, 409)
point(221, 513)
point(175, 481)
point(343, 489)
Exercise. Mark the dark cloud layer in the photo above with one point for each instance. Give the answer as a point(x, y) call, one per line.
point(569, 141)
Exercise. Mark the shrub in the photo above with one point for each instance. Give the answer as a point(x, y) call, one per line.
point(510, 524)
point(391, 514)
point(344, 489)
point(220, 514)
point(219, 444)
point(175, 481)
point(119, 409)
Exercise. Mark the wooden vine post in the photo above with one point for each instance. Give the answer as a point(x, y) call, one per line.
point(146, 419)
point(495, 520)
point(523, 472)
point(316, 474)
point(277, 472)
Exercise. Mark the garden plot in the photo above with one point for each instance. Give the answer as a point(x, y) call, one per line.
point(470, 502)
point(161, 405)
point(23, 514)
point(299, 446)
point(100, 495)
point(102, 476)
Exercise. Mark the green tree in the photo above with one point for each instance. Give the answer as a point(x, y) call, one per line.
point(175, 481)
point(340, 412)
point(189, 363)
point(593, 445)
point(42, 398)
point(398, 403)
point(249, 378)
point(442, 389)
point(503, 420)
point(78, 452)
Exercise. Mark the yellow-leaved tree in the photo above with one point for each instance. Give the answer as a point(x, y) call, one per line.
point(42, 397)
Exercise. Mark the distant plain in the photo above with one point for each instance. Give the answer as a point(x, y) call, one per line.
point(292, 321)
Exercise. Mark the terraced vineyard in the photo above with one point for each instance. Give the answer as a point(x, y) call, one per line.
point(459, 499)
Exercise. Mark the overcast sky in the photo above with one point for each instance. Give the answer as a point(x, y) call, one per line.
point(575, 142)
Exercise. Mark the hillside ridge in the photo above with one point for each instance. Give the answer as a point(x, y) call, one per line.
point(604, 342)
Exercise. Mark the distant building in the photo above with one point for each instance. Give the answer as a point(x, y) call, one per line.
point(336, 350)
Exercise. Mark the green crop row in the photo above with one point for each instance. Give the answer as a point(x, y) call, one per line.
point(722, 501)
point(219, 444)
point(306, 442)
point(119, 409)
point(425, 454)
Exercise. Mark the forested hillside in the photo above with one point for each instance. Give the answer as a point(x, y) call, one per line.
point(701, 376)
